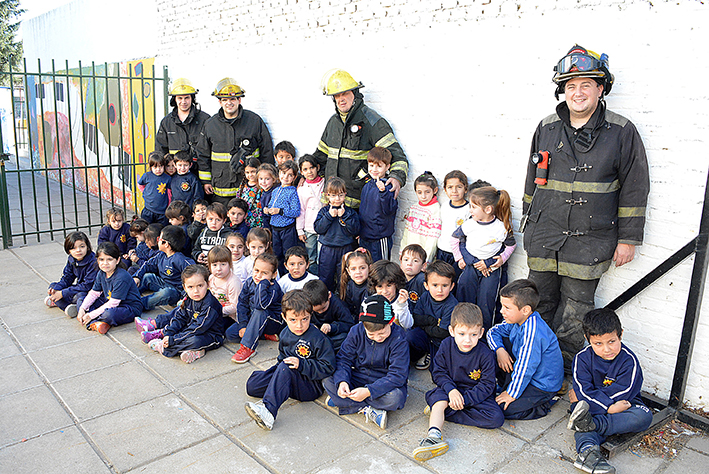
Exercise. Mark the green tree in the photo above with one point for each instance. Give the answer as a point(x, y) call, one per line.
point(10, 50)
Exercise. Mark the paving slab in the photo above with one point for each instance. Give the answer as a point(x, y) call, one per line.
point(530, 430)
point(31, 311)
point(68, 360)
point(17, 374)
point(53, 271)
point(699, 443)
point(138, 434)
point(179, 374)
point(687, 461)
point(537, 458)
point(477, 449)
point(8, 348)
point(217, 455)
point(24, 287)
point(34, 412)
point(302, 438)
point(64, 451)
point(48, 253)
point(633, 461)
point(111, 388)
point(222, 398)
point(373, 458)
point(51, 333)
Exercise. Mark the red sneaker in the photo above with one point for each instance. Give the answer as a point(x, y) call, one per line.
point(100, 327)
point(242, 355)
point(271, 337)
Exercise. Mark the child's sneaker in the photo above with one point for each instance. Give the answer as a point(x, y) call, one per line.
point(147, 336)
point(427, 410)
point(153, 345)
point(260, 414)
point(99, 326)
point(143, 325)
point(49, 302)
point(190, 356)
point(581, 419)
point(430, 447)
point(242, 355)
point(72, 311)
point(329, 402)
point(271, 337)
point(593, 461)
point(424, 362)
point(376, 416)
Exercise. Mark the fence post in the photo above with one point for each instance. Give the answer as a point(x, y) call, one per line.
point(4, 203)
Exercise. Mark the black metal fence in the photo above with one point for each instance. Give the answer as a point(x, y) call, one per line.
point(73, 142)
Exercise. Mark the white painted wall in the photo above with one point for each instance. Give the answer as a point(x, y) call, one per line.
point(464, 83)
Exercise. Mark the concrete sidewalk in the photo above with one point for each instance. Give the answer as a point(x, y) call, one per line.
point(73, 401)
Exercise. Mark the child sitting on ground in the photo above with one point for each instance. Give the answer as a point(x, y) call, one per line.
point(305, 357)
point(464, 374)
point(310, 192)
point(330, 314)
point(185, 186)
point(236, 212)
point(114, 298)
point(338, 227)
point(137, 231)
point(199, 219)
point(432, 314)
point(413, 264)
point(155, 186)
point(178, 214)
point(372, 365)
point(534, 371)
point(147, 247)
point(117, 230)
point(297, 264)
point(195, 325)
point(387, 279)
point(606, 395)
point(77, 278)
point(258, 311)
point(161, 274)
point(214, 234)
point(378, 206)
point(224, 285)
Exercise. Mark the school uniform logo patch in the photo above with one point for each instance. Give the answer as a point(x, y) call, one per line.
point(162, 187)
point(195, 314)
point(608, 381)
point(123, 238)
point(303, 349)
point(475, 374)
point(459, 222)
point(168, 271)
point(185, 186)
point(413, 296)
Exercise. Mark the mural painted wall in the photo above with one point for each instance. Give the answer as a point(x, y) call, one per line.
point(101, 117)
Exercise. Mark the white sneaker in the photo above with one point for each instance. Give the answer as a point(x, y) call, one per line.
point(260, 414)
point(376, 416)
point(49, 302)
point(72, 311)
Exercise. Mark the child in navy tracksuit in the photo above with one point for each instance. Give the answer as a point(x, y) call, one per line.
point(117, 230)
point(432, 314)
point(178, 214)
point(162, 273)
point(354, 284)
point(378, 206)
point(607, 379)
point(464, 372)
point(114, 298)
point(329, 313)
point(147, 245)
point(267, 179)
point(413, 264)
point(155, 186)
point(372, 365)
point(535, 369)
point(185, 186)
point(215, 233)
point(305, 357)
point(338, 227)
point(387, 279)
point(284, 208)
point(77, 278)
point(195, 325)
point(236, 211)
point(258, 312)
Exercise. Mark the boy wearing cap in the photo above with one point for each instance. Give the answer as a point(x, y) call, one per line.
point(372, 365)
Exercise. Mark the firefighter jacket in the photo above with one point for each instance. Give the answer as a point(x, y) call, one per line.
point(343, 148)
point(175, 135)
point(221, 138)
point(594, 198)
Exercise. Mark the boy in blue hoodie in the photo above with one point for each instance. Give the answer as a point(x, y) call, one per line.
point(372, 365)
point(534, 371)
point(305, 357)
point(606, 394)
point(378, 206)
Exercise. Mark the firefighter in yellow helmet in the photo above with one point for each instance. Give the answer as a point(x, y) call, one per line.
point(350, 133)
point(180, 129)
point(584, 198)
point(228, 139)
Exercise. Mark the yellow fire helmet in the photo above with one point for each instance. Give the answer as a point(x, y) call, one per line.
point(228, 87)
point(181, 86)
point(336, 81)
point(582, 62)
